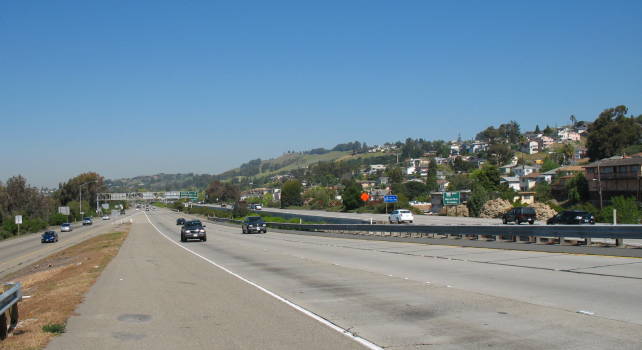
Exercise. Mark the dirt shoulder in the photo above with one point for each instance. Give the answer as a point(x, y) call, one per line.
point(55, 285)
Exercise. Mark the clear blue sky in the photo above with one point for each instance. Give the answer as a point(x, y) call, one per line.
point(131, 88)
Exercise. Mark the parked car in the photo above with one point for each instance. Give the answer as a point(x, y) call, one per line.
point(87, 221)
point(180, 221)
point(193, 230)
point(49, 237)
point(572, 217)
point(105, 217)
point(401, 215)
point(66, 227)
point(254, 224)
point(258, 207)
point(519, 215)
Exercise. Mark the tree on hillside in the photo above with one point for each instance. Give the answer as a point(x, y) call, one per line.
point(537, 130)
point(90, 183)
point(577, 188)
point(431, 179)
point(487, 178)
point(459, 182)
point(611, 132)
point(549, 164)
point(500, 154)
point(567, 151)
point(415, 189)
point(351, 195)
point(477, 198)
point(394, 174)
point(219, 191)
point(291, 194)
point(548, 131)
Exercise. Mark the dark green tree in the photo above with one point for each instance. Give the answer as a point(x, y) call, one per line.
point(476, 201)
point(291, 194)
point(549, 165)
point(548, 131)
point(611, 132)
point(431, 180)
point(537, 130)
point(351, 195)
point(543, 192)
point(459, 182)
point(415, 189)
point(577, 188)
point(627, 211)
point(500, 153)
point(394, 174)
point(487, 177)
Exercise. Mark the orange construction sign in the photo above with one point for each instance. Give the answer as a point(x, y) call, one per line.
point(365, 197)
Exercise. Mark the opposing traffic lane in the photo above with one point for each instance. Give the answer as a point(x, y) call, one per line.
point(26, 249)
point(154, 295)
point(403, 295)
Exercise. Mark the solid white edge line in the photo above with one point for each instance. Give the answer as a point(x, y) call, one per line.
point(299, 308)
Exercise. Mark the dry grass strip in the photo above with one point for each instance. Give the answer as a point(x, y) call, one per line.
point(56, 285)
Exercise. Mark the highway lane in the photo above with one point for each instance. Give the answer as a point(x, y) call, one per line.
point(423, 220)
point(154, 295)
point(401, 295)
point(21, 251)
point(419, 219)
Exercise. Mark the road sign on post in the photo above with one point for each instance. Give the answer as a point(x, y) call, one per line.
point(392, 198)
point(18, 222)
point(63, 210)
point(452, 198)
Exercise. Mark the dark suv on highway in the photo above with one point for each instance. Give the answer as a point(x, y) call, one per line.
point(180, 221)
point(519, 215)
point(193, 230)
point(572, 217)
point(254, 224)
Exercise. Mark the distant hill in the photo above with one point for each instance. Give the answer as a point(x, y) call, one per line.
point(161, 182)
point(257, 169)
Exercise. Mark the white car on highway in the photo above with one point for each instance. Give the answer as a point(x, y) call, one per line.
point(401, 215)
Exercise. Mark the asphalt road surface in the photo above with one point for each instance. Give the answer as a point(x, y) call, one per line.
point(282, 290)
point(18, 252)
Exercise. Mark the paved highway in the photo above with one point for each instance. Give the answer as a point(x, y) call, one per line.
point(18, 252)
point(422, 220)
point(395, 295)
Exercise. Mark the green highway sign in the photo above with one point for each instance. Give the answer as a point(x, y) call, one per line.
point(189, 194)
point(452, 198)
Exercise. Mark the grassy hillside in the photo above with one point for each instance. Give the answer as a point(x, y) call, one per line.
point(257, 169)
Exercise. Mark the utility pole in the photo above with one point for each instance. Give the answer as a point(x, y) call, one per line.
point(599, 183)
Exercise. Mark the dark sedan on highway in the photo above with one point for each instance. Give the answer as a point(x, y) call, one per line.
point(254, 224)
point(180, 221)
point(49, 237)
point(193, 230)
point(572, 217)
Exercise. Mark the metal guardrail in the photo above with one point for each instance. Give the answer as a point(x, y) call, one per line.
point(505, 232)
point(9, 308)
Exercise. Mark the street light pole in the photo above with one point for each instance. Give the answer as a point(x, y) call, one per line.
point(80, 200)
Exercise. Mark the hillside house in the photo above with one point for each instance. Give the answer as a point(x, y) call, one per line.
point(529, 147)
point(566, 134)
point(523, 170)
point(528, 182)
point(545, 142)
point(614, 177)
point(511, 181)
